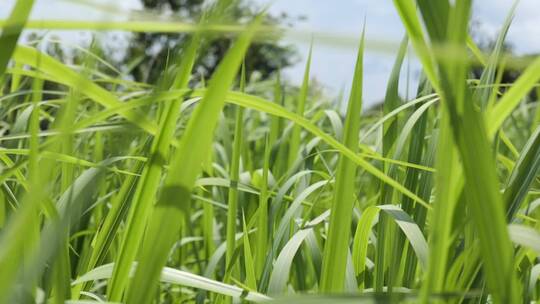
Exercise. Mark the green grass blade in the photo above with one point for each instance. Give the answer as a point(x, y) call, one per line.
point(337, 243)
point(251, 280)
point(174, 276)
point(384, 260)
point(481, 185)
point(282, 266)
point(11, 31)
point(361, 242)
point(261, 243)
point(294, 142)
point(173, 203)
point(392, 100)
point(435, 15)
point(64, 75)
point(407, 11)
point(523, 175)
point(488, 75)
point(260, 104)
point(506, 105)
point(151, 177)
point(232, 212)
point(103, 239)
point(404, 222)
point(448, 180)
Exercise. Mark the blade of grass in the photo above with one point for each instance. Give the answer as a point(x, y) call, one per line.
point(232, 212)
point(251, 280)
point(11, 31)
point(150, 179)
point(294, 141)
point(337, 243)
point(173, 203)
point(523, 85)
point(523, 175)
point(174, 276)
point(481, 183)
point(448, 178)
point(385, 259)
point(64, 75)
point(261, 243)
point(282, 266)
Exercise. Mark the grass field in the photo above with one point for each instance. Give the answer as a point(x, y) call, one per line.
point(233, 190)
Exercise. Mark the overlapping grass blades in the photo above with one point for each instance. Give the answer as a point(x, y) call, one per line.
point(267, 203)
point(11, 31)
point(471, 139)
point(337, 243)
point(172, 208)
point(147, 186)
point(183, 278)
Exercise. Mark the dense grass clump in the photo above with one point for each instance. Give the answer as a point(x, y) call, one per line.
point(234, 189)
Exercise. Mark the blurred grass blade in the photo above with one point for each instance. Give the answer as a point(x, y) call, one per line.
point(11, 31)
point(435, 15)
point(525, 236)
point(64, 75)
point(488, 74)
point(523, 85)
point(173, 205)
point(413, 26)
point(479, 168)
point(147, 186)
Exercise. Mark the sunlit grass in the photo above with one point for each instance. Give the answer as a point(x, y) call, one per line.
point(239, 189)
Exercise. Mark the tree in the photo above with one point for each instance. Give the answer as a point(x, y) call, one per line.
point(148, 52)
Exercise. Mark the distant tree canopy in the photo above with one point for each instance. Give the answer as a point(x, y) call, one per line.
point(150, 50)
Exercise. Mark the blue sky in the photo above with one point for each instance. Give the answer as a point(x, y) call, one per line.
point(333, 65)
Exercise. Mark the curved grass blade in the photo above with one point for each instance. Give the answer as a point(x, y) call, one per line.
point(64, 75)
point(150, 180)
point(472, 141)
point(506, 105)
point(483, 95)
point(523, 175)
point(173, 204)
point(260, 104)
point(525, 236)
point(104, 237)
point(405, 223)
point(282, 266)
point(173, 276)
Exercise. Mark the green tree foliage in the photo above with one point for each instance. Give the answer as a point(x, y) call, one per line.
point(150, 50)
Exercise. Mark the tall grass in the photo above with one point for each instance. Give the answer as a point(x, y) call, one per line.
point(245, 191)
